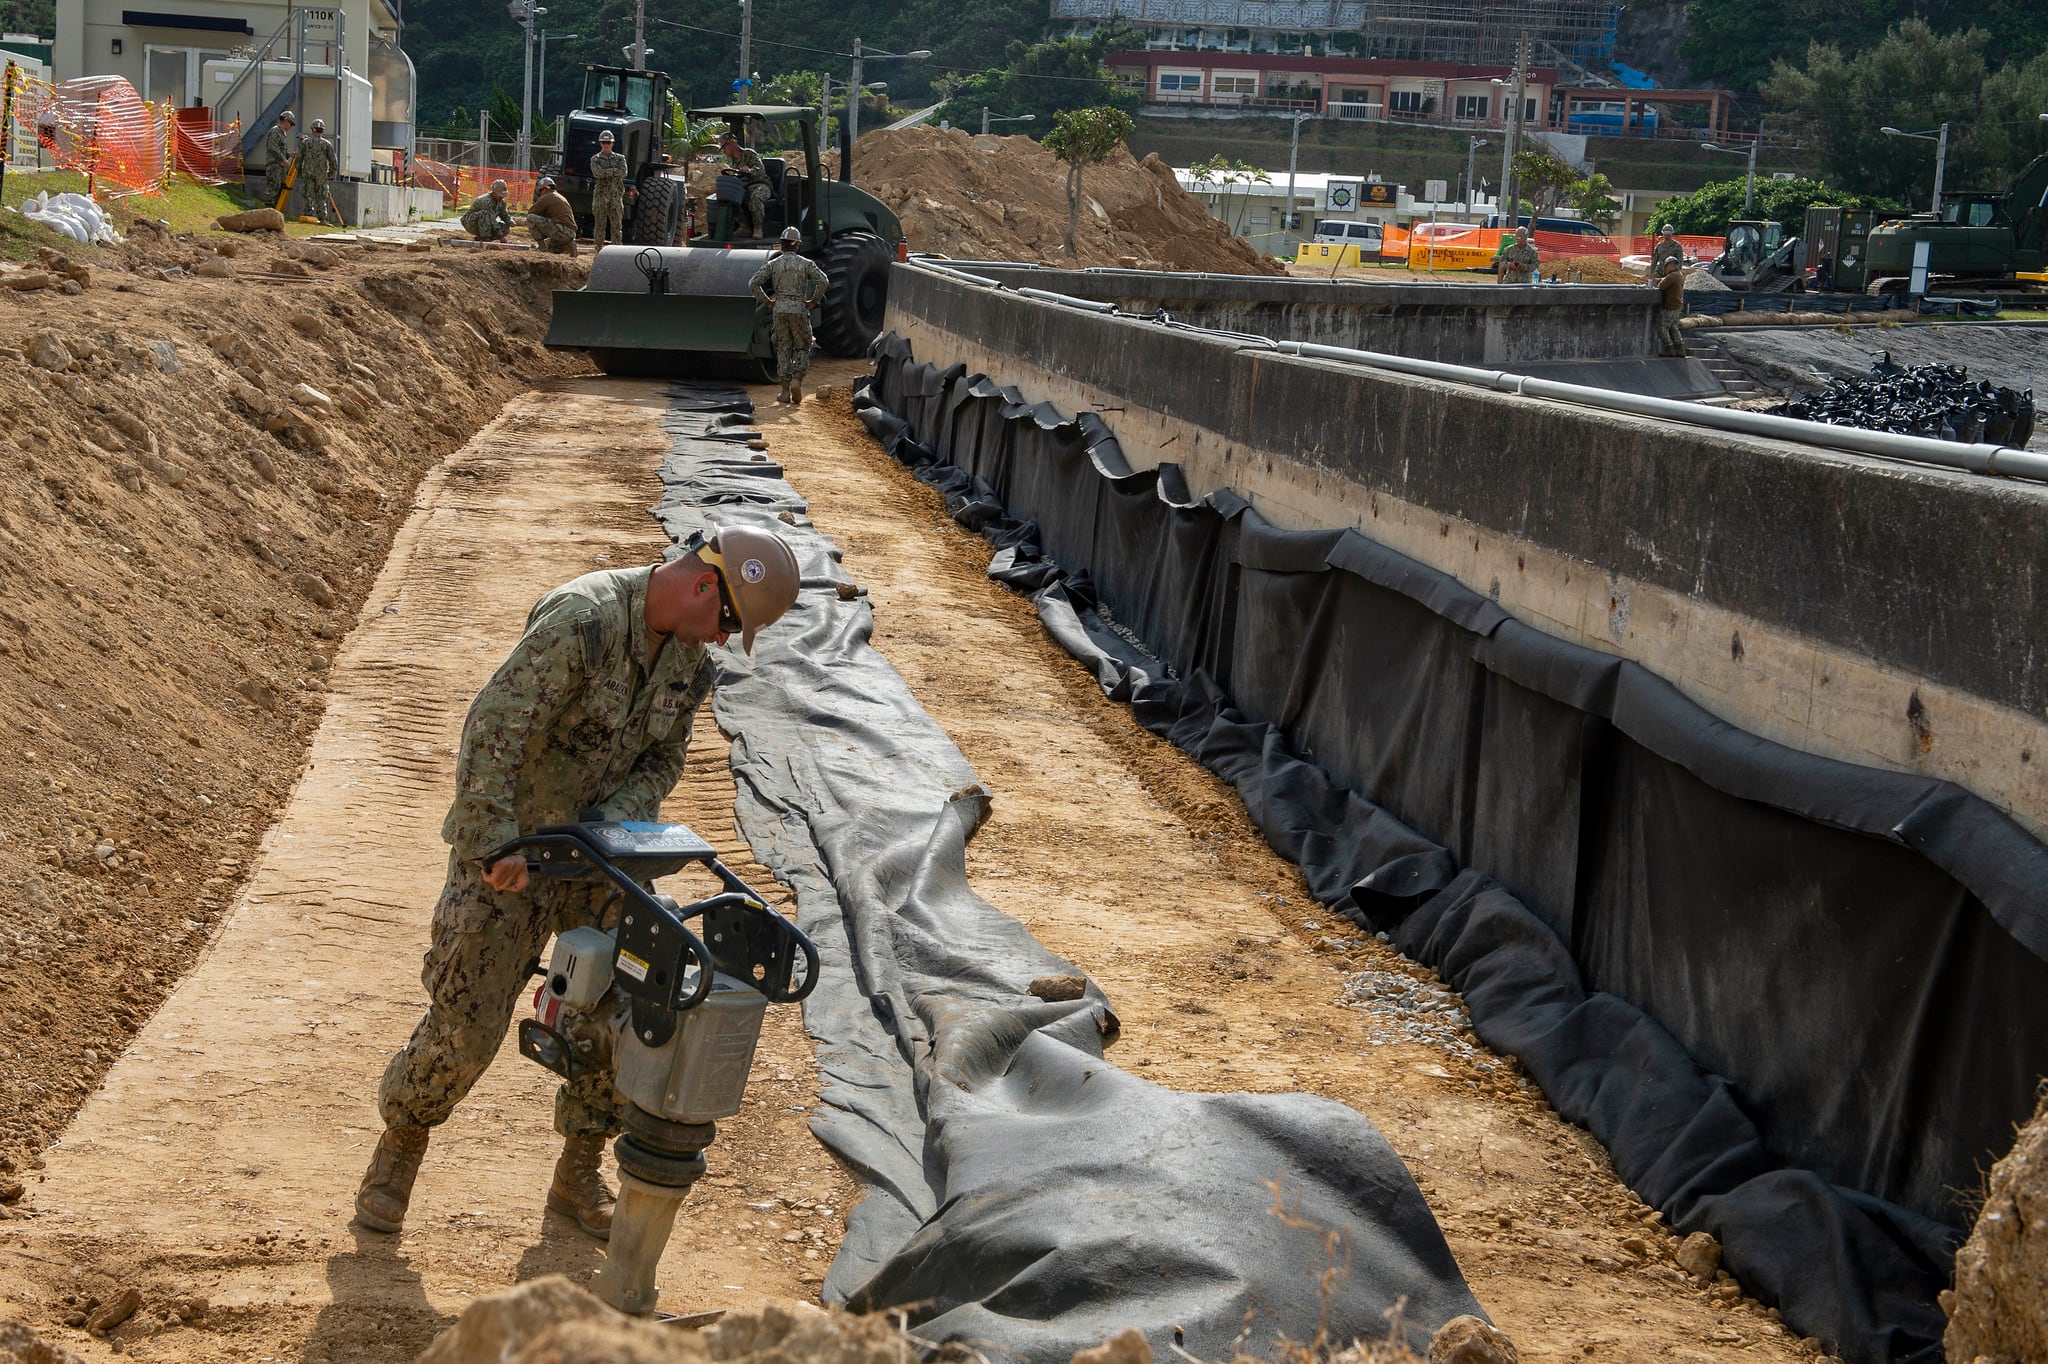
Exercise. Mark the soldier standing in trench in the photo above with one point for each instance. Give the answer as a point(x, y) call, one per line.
point(592, 710)
point(792, 284)
point(608, 193)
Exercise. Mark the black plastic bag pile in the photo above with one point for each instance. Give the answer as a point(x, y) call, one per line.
point(1936, 401)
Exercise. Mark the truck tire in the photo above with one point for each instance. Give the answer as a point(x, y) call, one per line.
point(656, 211)
point(850, 317)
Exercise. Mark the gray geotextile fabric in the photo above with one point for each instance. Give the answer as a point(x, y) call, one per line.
point(1021, 1192)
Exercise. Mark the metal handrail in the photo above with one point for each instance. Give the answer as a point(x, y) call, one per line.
point(255, 65)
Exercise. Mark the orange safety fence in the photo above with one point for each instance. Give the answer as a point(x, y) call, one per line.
point(99, 127)
point(472, 181)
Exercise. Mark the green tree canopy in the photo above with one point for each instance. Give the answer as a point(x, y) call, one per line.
point(1708, 210)
point(1916, 80)
point(1084, 138)
point(1545, 178)
point(1041, 79)
point(1738, 43)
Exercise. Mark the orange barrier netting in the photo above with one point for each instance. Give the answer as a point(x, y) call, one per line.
point(99, 127)
point(471, 181)
point(1454, 246)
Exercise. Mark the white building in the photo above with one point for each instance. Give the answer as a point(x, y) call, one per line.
point(1253, 209)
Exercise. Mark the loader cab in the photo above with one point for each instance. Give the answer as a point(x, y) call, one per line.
point(632, 105)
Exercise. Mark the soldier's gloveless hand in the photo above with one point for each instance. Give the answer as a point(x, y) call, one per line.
point(508, 874)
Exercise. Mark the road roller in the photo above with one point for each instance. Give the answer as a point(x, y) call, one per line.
point(685, 311)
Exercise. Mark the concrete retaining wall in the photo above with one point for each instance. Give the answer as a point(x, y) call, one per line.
point(1480, 323)
point(1872, 611)
point(363, 204)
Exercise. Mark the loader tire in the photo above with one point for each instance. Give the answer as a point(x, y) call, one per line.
point(857, 267)
point(656, 211)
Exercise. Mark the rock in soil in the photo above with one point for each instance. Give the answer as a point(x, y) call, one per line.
point(1699, 1255)
point(1468, 1340)
point(114, 1313)
point(19, 1345)
point(1999, 1313)
point(253, 220)
point(1058, 989)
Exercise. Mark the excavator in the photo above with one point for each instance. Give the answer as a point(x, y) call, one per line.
point(686, 310)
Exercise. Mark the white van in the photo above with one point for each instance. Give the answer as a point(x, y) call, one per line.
point(1346, 232)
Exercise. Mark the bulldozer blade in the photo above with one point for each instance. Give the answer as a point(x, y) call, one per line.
point(659, 333)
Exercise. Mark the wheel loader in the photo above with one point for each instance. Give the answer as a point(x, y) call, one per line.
point(687, 311)
point(633, 107)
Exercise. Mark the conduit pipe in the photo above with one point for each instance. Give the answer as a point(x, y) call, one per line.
point(1996, 460)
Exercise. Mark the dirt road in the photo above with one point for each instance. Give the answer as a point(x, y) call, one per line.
point(220, 1157)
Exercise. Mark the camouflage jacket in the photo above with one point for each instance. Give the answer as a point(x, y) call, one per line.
point(790, 282)
point(1662, 251)
point(488, 208)
point(748, 166)
point(316, 158)
point(1517, 260)
point(608, 175)
point(576, 717)
point(277, 147)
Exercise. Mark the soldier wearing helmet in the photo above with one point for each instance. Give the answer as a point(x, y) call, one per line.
point(316, 168)
point(592, 710)
point(550, 219)
point(792, 285)
point(278, 152)
point(488, 219)
point(608, 193)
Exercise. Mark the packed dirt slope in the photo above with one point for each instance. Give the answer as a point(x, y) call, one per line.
point(184, 533)
point(1005, 198)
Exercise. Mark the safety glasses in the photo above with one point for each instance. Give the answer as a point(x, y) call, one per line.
point(728, 609)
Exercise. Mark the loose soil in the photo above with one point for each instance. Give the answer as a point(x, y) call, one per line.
point(220, 1158)
point(182, 543)
point(1005, 198)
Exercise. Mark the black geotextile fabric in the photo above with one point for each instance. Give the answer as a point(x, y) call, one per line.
point(1021, 1192)
point(1803, 1003)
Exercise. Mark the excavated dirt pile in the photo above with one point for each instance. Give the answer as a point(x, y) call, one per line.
point(205, 458)
point(1999, 1310)
point(1005, 198)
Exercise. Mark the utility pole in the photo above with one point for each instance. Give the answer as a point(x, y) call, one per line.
point(1472, 146)
point(640, 35)
point(852, 114)
point(1940, 164)
point(1513, 129)
point(1293, 156)
point(746, 47)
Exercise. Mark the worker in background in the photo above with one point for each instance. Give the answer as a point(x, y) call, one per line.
point(277, 157)
point(316, 168)
point(608, 193)
point(489, 219)
point(747, 164)
point(1518, 260)
point(550, 219)
point(792, 284)
point(592, 710)
point(1666, 250)
point(1671, 307)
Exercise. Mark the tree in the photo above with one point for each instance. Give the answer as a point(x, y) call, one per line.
point(1545, 178)
point(1221, 171)
point(1739, 42)
point(1041, 79)
point(1707, 211)
point(1084, 138)
point(1594, 199)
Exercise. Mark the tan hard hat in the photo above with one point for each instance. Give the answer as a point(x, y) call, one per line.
point(760, 573)
point(606, 136)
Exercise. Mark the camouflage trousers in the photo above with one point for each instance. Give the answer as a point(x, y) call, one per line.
point(792, 345)
point(608, 212)
point(757, 210)
point(551, 235)
point(1669, 335)
point(485, 227)
point(476, 974)
point(273, 182)
point(315, 201)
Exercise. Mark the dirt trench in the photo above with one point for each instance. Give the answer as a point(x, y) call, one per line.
point(217, 1161)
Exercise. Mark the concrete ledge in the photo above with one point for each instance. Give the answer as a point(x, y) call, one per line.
point(1878, 612)
point(363, 204)
point(1477, 323)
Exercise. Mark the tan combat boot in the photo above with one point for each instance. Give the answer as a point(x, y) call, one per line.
point(782, 393)
point(579, 1191)
point(796, 391)
point(387, 1187)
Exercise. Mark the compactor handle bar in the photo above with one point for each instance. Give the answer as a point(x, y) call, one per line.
point(656, 945)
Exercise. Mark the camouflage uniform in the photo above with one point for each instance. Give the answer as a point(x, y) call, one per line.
point(552, 222)
point(316, 168)
point(1663, 255)
point(608, 198)
point(1517, 262)
point(277, 160)
point(488, 220)
point(576, 718)
point(753, 173)
point(791, 283)
point(1670, 336)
